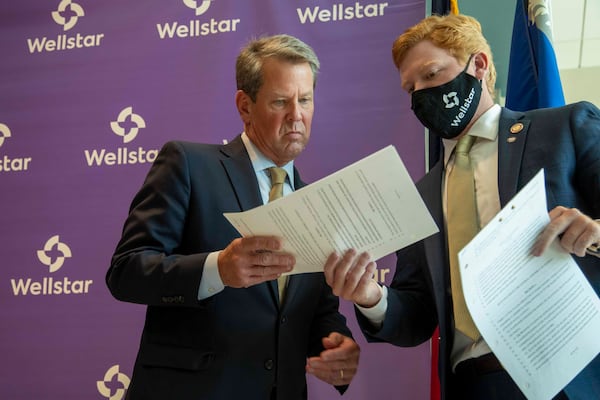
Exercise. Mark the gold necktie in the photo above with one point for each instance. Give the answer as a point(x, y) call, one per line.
point(277, 180)
point(462, 225)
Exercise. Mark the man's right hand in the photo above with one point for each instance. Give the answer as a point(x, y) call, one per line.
point(252, 260)
point(351, 277)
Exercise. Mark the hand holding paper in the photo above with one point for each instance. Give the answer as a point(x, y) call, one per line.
point(357, 207)
point(248, 261)
point(539, 315)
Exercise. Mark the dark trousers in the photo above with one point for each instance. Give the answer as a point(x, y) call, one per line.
point(485, 379)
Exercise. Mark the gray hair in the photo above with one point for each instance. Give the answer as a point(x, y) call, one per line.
point(249, 63)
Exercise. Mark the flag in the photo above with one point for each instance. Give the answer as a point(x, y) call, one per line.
point(443, 7)
point(533, 78)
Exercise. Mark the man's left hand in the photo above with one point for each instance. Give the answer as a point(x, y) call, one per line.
point(576, 230)
point(337, 364)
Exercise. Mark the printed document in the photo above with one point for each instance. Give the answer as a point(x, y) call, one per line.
point(539, 315)
point(371, 205)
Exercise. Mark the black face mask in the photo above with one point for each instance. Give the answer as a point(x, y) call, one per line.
point(446, 110)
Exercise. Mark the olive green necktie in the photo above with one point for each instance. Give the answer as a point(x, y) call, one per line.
point(462, 225)
point(277, 180)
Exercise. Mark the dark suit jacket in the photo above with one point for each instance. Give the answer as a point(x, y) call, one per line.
point(566, 143)
point(237, 344)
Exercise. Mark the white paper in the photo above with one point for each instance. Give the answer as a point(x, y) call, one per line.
point(539, 315)
point(371, 205)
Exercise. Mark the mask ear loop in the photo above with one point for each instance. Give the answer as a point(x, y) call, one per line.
point(467, 67)
point(468, 62)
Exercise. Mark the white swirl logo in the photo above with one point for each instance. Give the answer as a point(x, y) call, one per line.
point(125, 115)
point(45, 255)
point(451, 100)
point(200, 9)
point(59, 17)
point(4, 133)
point(109, 377)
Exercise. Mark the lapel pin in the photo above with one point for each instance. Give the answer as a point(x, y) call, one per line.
point(516, 128)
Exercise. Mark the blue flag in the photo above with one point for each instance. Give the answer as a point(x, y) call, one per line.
point(533, 78)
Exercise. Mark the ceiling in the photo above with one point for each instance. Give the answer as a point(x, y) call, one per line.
point(576, 31)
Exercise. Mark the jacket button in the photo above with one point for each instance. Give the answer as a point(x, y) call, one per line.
point(283, 319)
point(269, 364)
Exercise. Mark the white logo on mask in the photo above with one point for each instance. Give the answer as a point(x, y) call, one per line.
point(451, 100)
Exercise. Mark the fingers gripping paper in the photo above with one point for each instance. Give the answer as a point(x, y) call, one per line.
point(371, 205)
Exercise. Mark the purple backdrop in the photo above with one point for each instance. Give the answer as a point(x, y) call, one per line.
point(89, 90)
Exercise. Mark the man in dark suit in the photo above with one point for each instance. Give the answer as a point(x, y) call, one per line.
point(441, 60)
point(216, 326)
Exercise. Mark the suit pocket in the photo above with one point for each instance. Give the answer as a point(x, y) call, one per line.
point(178, 337)
point(157, 355)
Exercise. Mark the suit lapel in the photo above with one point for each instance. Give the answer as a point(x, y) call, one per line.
point(512, 135)
point(241, 174)
point(243, 180)
point(242, 177)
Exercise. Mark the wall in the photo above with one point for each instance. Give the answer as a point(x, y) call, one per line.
point(89, 91)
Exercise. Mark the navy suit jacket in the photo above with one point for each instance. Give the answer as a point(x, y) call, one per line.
point(238, 343)
point(566, 143)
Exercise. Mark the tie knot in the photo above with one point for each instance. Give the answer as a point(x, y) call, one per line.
point(277, 179)
point(277, 175)
point(464, 144)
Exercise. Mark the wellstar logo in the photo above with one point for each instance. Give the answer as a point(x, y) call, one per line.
point(464, 108)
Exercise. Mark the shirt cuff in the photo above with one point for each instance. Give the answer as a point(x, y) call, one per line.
point(210, 283)
point(376, 314)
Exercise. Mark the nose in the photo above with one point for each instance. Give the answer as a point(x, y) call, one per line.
point(295, 112)
point(418, 86)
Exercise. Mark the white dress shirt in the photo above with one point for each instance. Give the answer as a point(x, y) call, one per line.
point(211, 282)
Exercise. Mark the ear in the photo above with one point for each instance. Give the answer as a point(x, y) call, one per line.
point(481, 65)
point(243, 104)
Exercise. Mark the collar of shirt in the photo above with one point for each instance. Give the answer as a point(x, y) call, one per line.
point(261, 163)
point(485, 127)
